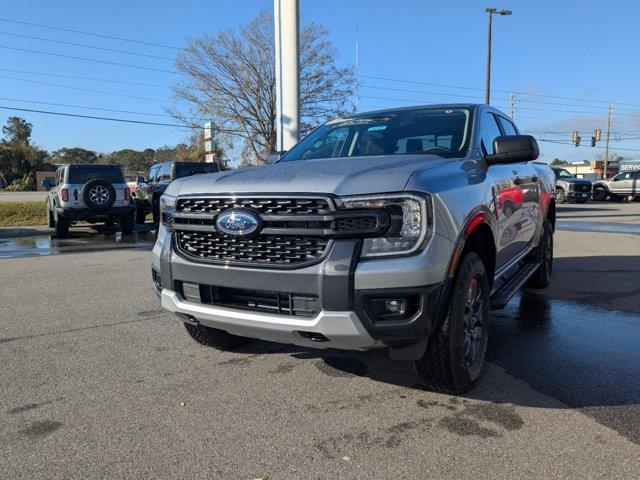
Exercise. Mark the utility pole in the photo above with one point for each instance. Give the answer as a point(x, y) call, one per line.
point(511, 104)
point(606, 144)
point(491, 11)
point(357, 68)
point(286, 19)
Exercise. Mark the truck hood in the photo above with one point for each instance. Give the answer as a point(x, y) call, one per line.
point(575, 181)
point(340, 176)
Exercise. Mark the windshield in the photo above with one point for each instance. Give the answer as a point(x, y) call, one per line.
point(84, 173)
point(435, 131)
point(187, 169)
point(562, 173)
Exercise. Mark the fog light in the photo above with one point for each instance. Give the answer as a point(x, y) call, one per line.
point(397, 307)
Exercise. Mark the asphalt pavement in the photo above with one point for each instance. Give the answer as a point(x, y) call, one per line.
point(98, 382)
point(22, 196)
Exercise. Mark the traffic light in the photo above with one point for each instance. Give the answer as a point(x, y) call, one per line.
point(598, 134)
point(575, 138)
point(593, 141)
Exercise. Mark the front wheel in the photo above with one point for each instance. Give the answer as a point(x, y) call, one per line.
point(454, 359)
point(51, 220)
point(212, 337)
point(561, 197)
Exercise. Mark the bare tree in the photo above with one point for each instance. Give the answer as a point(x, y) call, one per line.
point(230, 77)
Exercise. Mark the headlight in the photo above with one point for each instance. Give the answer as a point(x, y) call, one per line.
point(410, 223)
point(167, 203)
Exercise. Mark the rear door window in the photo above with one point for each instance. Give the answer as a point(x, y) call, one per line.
point(165, 172)
point(153, 173)
point(84, 173)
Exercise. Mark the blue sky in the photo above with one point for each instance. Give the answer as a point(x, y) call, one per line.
point(585, 50)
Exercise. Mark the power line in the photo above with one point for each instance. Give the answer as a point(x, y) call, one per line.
point(123, 120)
point(75, 77)
point(88, 59)
point(388, 79)
point(86, 107)
point(85, 46)
point(93, 34)
point(84, 89)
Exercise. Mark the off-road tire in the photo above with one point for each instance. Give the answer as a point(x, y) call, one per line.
point(155, 210)
point(51, 220)
point(141, 215)
point(61, 226)
point(541, 278)
point(560, 196)
point(212, 337)
point(110, 194)
point(128, 223)
point(444, 367)
point(599, 194)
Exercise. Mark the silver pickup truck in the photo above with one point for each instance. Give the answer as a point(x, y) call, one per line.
point(398, 228)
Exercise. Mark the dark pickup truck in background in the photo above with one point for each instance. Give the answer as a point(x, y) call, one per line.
point(148, 193)
point(570, 188)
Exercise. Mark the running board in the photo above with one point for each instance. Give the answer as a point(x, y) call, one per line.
point(501, 297)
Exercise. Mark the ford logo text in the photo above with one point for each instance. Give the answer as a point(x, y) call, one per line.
point(237, 222)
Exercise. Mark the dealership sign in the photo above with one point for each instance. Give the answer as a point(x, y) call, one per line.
point(629, 166)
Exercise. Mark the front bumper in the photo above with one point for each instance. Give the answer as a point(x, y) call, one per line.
point(342, 329)
point(341, 284)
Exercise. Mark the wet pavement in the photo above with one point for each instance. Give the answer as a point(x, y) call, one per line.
point(20, 243)
point(604, 227)
point(584, 356)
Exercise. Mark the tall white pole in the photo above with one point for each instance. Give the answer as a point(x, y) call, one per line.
point(287, 45)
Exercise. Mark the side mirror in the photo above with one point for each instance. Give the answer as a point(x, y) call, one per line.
point(275, 157)
point(615, 179)
point(47, 184)
point(513, 149)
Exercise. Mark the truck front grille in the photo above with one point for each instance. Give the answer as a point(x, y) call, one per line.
point(262, 249)
point(265, 206)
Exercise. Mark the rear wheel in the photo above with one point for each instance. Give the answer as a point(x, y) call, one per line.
point(599, 194)
point(127, 223)
point(541, 278)
point(61, 226)
point(212, 337)
point(455, 356)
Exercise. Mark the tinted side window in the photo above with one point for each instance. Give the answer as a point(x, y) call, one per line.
point(165, 171)
point(152, 174)
point(508, 127)
point(488, 131)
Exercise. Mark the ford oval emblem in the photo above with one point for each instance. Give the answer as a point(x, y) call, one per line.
point(237, 222)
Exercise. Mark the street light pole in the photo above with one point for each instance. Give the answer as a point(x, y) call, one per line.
point(491, 11)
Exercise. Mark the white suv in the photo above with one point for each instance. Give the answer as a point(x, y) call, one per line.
point(91, 193)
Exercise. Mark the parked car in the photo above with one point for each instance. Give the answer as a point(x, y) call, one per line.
point(148, 193)
point(91, 193)
point(133, 181)
point(570, 188)
point(383, 229)
point(619, 187)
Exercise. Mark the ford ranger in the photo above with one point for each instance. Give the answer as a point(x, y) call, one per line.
point(399, 229)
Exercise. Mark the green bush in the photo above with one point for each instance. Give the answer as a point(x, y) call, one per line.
point(16, 214)
point(26, 183)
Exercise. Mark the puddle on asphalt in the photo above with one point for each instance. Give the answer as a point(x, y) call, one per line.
point(598, 227)
point(35, 245)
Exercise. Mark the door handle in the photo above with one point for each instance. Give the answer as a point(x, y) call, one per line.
point(517, 181)
point(535, 178)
